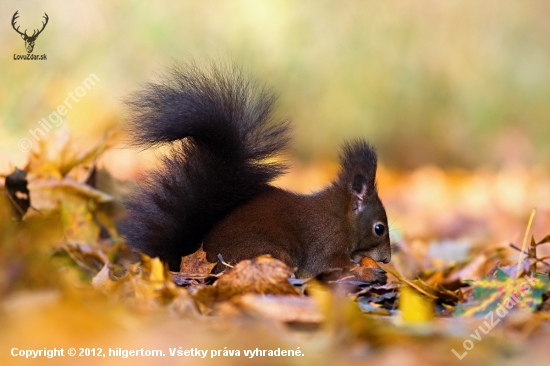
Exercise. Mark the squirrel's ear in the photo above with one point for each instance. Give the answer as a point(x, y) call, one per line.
point(360, 190)
point(358, 160)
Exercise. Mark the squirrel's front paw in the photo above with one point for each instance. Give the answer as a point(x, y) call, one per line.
point(370, 274)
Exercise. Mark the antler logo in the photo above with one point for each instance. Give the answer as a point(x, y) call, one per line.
point(29, 40)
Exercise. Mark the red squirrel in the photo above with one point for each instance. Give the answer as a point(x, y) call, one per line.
point(212, 186)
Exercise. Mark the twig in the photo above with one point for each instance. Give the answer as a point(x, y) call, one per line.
point(15, 204)
point(537, 259)
point(224, 262)
point(520, 259)
point(532, 253)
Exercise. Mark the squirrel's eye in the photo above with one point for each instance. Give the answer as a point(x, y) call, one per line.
point(379, 229)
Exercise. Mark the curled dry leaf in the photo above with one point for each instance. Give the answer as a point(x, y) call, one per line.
point(261, 275)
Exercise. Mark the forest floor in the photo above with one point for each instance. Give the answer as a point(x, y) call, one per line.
point(468, 282)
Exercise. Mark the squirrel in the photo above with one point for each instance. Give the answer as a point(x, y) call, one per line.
point(212, 187)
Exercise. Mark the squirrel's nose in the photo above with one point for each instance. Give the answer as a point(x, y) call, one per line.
point(386, 260)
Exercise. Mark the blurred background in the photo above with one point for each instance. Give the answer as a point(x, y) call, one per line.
point(448, 83)
point(451, 91)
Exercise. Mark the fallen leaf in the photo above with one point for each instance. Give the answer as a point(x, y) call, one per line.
point(78, 223)
point(196, 264)
point(414, 307)
point(261, 275)
point(283, 308)
point(48, 193)
point(501, 291)
point(437, 292)
point(59, 155)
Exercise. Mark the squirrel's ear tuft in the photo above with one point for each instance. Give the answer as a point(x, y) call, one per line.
point(358, 161)
point(359, 191)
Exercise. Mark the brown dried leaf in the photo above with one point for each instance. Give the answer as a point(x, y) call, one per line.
point(196, 264)
point(261, 275)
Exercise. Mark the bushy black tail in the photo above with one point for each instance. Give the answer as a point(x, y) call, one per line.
point(221, 133)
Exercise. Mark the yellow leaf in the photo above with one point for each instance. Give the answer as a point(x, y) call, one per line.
point(414, 307)
point(154, 270)
point(78, 223)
